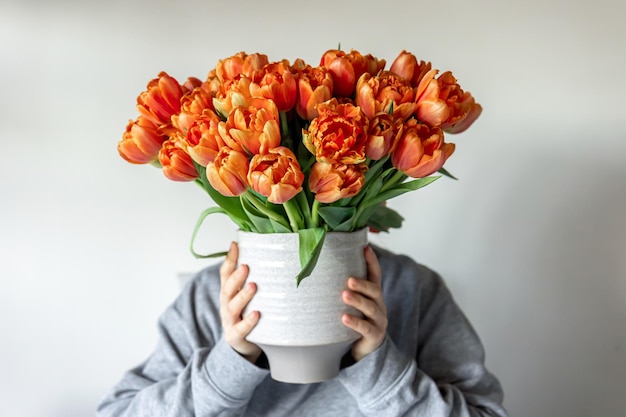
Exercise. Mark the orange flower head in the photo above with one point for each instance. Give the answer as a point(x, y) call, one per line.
point(241, 63)
point(177, 164)
point(232, 94)
point(276, 175)
point(421, 150)
point(442, 103)
point(338, 134)
point(346, 68)
point(331, 182)
point(192, 105)
point(407, 67)
point(384, 93)
point(141, 142)
point(463, 108)
point(203, 139)
point(212, 83)
point(252, 129)
point(191, 84)
point(382, 135)
point(315, 86)
point(278, 84)
point(430, 108)
point(227, 173)
point(160, 101)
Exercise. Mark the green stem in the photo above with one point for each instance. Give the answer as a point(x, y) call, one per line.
point(305, 209)
point(293, 213)
point(315, 214)
point(284, 130)
point(258, 204)
point(397, 178)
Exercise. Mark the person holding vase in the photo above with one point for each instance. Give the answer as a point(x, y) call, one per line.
point(417, 354)
point(291, 148)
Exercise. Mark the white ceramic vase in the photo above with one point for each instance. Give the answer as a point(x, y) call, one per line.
point(300, 329)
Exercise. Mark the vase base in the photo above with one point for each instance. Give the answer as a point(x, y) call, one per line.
point(305, 364)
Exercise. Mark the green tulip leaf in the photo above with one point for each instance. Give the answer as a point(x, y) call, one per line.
point(261, 223)
point(400, 189)
point(446, 173)
point(199, 222)
point(311, 242)
point(231, 205)
point(279, 227)
point(383, 218)
point(334, 216)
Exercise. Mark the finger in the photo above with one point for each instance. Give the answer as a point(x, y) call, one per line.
point(240, 301)
point(367, 288)
point(234, 282)
point(363, 327)
point(374, 273)
point(241, 329)
point(368, 307)
point(230, 263)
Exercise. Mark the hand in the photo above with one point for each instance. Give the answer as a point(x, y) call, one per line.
point(366, 295)
point(233, 299)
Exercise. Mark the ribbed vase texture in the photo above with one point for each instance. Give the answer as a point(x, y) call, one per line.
point(308, 314)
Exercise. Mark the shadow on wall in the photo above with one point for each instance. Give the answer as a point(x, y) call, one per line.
point(561, 237)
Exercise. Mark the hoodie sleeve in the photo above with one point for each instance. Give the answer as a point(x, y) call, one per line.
point(446, 377)
point(192, 372)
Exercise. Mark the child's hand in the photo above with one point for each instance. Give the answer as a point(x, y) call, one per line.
point(233, 299)
point(366, 296)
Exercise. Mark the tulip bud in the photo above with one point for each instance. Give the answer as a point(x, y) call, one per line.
point(331, 182)
point(276, 175)
point(177, 164)
point(420, 150)
point(141, 142)
point(227, 173)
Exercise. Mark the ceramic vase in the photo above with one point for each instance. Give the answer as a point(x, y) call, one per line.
point(300, 328)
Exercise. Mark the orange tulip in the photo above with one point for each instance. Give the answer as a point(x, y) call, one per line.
point(177, 164)
point(463, 108)
point(276, 175)
point(442, 103)
point(231, 94)
point(253, 129)
point(338, 134)
point(160, 101)
point(212, 83)
point(382, 135)
point(227, 173)
point(346, 68)
point(407, 67)
point(431, 109)
point(315, 86)
point(192, 105)
point(277, 84)
point(141, 142)
point(203, 139)
point(385, 92)
point(241, 63)
point(331, 182)
point(420, 150)
point(191, 84)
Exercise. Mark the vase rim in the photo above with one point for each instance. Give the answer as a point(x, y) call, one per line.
point(358, 231)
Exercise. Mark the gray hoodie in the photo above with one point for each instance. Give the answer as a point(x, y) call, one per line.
point(431, 363)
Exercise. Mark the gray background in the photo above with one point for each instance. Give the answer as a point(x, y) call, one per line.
point(531, 240)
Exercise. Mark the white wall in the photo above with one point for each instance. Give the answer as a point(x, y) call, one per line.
point(532, 239)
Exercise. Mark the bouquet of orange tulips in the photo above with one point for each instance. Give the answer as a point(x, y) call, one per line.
point(285, 148)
